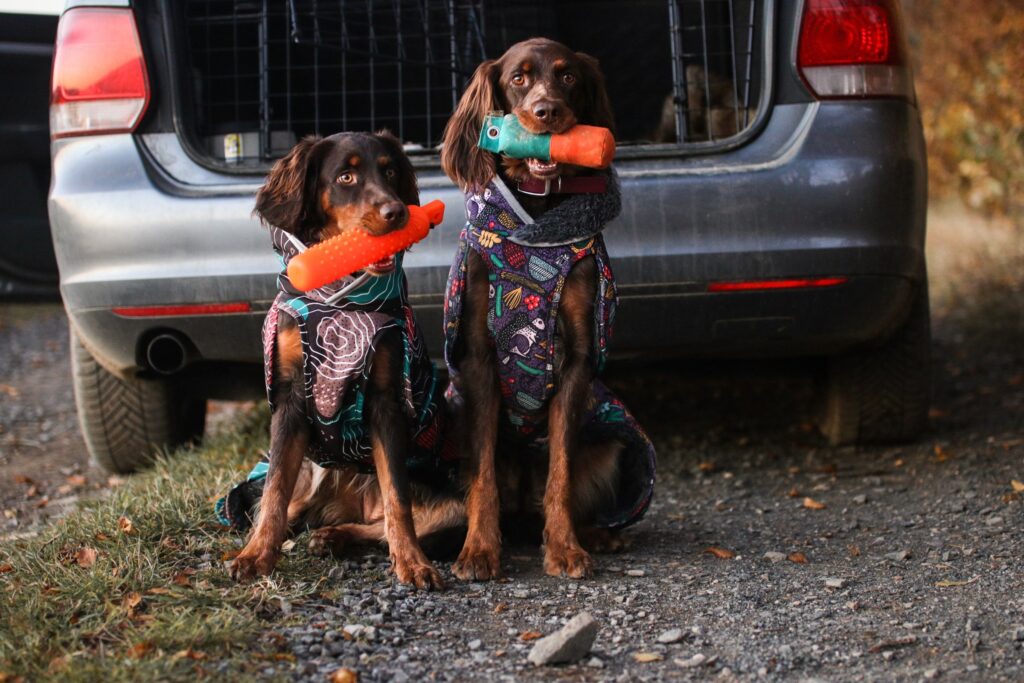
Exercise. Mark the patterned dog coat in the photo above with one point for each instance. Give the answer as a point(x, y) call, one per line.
point(340, 325)
point(524, 293)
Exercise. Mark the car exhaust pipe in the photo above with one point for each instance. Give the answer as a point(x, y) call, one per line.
point(167, 353)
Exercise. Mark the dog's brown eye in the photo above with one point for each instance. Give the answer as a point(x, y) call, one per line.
point(346, 178)
point(568, 79)
point(518, 79)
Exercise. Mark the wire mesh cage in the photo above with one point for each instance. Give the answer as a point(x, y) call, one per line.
point(266, 72)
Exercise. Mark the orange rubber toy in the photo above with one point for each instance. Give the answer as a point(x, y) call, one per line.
point(353, 250)
point(589, 146)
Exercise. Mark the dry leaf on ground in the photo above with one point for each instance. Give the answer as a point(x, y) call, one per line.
point(343, 676)
point(527, 636)
point(720, 553)
point(1018, 486)
point(812, 504)
point(799, 558)
point(125, 525)
point(140, 650)
point(948, 583)
point(6, 568)
point(86, 557)
point(644, 657)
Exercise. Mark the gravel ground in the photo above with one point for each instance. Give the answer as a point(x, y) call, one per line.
point(904, 564)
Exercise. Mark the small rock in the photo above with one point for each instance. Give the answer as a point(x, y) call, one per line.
point(635, 572)
point(475, 644)
point(568, 644)
point(773, 556)
point(994, 520)
point(860, 499)
point(595, 663)
point(693, 661)
point(835, 583)
point(671, 636)
point(521, 594)
point(931, 674)
point(898, 556)
point(1018, 633)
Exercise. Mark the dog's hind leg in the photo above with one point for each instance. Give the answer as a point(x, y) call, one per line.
point(428, 518)
point(480, 558)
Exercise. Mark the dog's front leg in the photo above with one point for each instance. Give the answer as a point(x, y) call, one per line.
point(480, 558)
point(389, 437)
point(289, 438)
point(563, 555)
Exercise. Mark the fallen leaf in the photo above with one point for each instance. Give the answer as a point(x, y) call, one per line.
point(288, 546)
point(1018, 486)
point(86, 557)
point(799, 558)
point(793, 492)
point(720, 553)
point(140, 650)
point(190, 654)
point(42, 502)
point(500, 607)
point(527, 636)
point(9, 390)
point(77, 480)
point(812, 504)
point(184, 577)
point(22, 479)
point(159, 591)
point(100, 536)
point(854, 550)
point(947, 583)
point(893, 643)
point(32, 491)
point(125, 525)
point(645, 657)
point(131, 603)
point(6, 568)
point(284, 657)
point(169, 543)
point(706, 466)
point(343, 676)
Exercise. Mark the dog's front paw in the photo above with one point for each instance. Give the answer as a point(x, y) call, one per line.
point(478, 563)
point(603, 540)
point(418, 572)
point(567, 560)
point(250, 564)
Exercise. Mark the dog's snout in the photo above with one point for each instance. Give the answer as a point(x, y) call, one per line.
point(394, 214)
point(547, 111)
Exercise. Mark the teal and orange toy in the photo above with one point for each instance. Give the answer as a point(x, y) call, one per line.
point(356, 249)
point(589, 146)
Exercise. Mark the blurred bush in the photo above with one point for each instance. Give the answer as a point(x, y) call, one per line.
point(968, 60)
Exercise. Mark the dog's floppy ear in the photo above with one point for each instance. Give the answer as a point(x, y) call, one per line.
point(288, 199)
point(597, 108)
point(464, 162)
point(406, 187)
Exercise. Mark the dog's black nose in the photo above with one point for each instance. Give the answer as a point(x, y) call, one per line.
point(547, 111)
point(394, 213)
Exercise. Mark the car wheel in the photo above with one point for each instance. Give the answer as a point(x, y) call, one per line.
point(882, 394)
point(126, 422)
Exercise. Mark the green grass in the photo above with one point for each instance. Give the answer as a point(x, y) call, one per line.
point(59, 619)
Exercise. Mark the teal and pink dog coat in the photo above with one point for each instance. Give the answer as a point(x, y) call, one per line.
point(340, 325)
point(524, 293)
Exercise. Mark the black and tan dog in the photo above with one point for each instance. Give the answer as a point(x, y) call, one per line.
point(356, 421)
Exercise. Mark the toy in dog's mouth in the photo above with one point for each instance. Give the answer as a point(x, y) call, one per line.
point(542, 169)
point(382, 267)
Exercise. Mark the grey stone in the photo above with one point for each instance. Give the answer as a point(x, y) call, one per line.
point(671, 636)
point(568, 644)
point(475, 644)
point(635, 572)
point(898, 556)
point(774, 556)
point(835, 583)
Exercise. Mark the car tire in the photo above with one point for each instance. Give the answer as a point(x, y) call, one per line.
point(126, 422)
point(882, 394)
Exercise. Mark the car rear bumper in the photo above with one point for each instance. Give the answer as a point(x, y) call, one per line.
point(823, 190)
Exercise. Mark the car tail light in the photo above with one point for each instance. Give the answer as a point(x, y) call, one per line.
point(761, 285)
point(854, 48)
point(178, 310)
point(99, 80)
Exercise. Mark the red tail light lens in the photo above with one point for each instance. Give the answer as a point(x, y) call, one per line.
point(853, 48)
point(99, 80)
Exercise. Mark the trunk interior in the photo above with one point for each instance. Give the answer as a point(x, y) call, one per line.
point(259, 75)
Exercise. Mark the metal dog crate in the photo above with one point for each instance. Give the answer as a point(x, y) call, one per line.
point(266, 72)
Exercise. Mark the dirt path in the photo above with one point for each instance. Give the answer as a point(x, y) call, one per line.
point(910, 571)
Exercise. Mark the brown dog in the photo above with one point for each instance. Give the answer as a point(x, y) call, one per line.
point(550, 88)
point(348, 181)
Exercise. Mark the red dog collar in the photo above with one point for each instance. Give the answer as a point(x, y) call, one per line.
point(594, 184)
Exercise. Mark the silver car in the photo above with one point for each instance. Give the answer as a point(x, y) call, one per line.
point(771, 157)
